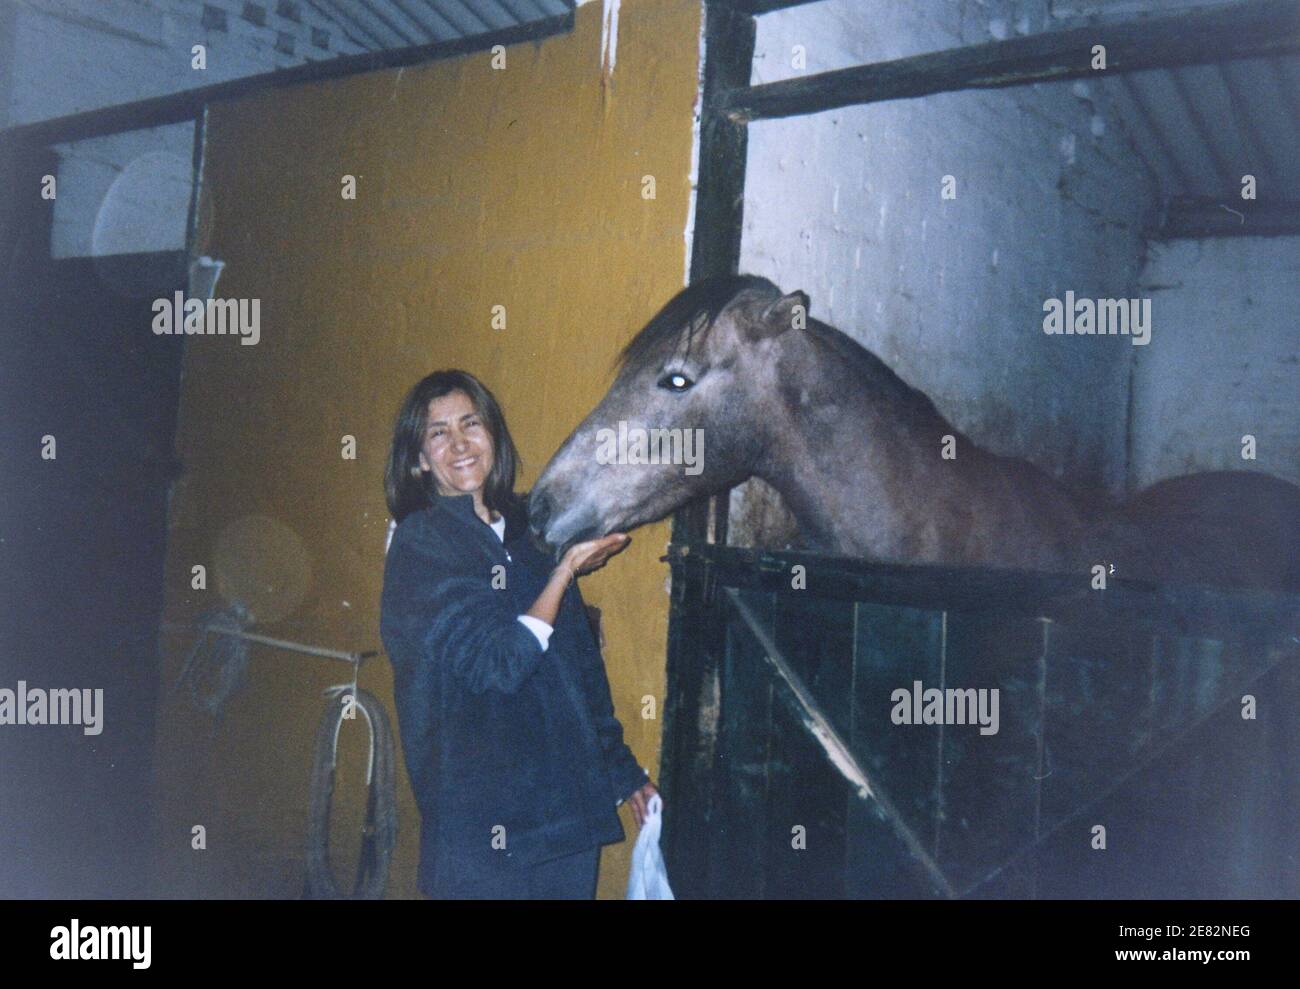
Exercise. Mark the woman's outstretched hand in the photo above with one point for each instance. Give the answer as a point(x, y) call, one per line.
point(585, 557)
point(582, 558)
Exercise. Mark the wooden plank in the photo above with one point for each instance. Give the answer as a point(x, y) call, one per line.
point(990, 784)
point(696, 636)
point(1065, 846)
point(804, 790)
point(893, 647)
point(1091, 720)
point(1195, 610)
point(738, 833)
point(1090, 724)
point(794, 693)
point(760, 6)
point(1101, 712)
point(1247, 29)
point(687, 755)
point(1200, 821)
point(806, 824)
point(814, 718)
point(1228, 217)
point(715, 242)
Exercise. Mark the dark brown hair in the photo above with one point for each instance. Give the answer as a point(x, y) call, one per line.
point(406, 486)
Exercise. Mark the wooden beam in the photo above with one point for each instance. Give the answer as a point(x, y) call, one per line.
point(1228, 217)
point(752, 7)
point(1214, 34)
point(187, 105)
point(696, 637)
point(1158, 609)
point(715, 244)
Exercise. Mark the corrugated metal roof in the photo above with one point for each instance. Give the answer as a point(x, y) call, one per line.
point(373, 25)
point(1199, 129)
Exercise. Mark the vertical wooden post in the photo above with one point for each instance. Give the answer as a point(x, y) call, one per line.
point(692, 672)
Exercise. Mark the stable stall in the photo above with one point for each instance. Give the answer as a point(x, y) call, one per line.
point(1146, 745)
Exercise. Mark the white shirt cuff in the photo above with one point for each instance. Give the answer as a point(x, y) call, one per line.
point(539, 628)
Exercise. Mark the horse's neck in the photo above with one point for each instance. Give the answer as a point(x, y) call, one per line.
point(848, 485)
point(859, 460)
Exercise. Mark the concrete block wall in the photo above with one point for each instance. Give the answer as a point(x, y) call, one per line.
point(1227, 363)
point(847, 205)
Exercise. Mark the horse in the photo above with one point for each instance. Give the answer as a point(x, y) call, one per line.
point(867, 465)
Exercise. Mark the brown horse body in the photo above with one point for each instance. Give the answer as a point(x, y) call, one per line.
point(869, 468)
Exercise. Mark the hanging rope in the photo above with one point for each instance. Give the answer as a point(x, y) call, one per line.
point(379, 834)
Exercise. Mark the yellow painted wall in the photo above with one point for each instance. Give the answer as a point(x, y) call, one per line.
point(477, 187)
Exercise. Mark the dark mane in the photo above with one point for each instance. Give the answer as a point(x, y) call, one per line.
point(707, 297)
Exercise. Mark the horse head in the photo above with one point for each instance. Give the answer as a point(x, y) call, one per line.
point(687, 414)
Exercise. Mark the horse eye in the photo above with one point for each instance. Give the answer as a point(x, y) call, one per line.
point(676, 381)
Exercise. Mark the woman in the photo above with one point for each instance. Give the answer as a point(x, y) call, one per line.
point(514, 753)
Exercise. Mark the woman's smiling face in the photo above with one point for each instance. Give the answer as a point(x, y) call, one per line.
point(457, 446)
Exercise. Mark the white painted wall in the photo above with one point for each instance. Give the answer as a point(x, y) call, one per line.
point(1226, 362)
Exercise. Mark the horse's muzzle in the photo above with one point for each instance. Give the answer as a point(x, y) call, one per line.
point(562, 529)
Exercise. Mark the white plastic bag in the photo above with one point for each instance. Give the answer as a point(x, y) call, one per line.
point(648, 879)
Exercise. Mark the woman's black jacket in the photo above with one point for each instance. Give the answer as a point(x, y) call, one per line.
point(511, 750)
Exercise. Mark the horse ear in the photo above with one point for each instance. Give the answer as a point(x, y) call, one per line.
point(786, 313)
